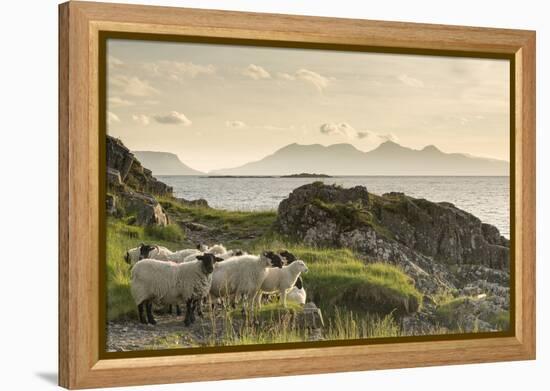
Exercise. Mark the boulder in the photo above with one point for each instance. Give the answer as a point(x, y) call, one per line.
point(145, 207)
point(202, 203)
point(310, 317)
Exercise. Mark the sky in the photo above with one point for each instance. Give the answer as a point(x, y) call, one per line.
point(220, 106)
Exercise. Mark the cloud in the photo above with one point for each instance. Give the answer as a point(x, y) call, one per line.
point(285, 76)
point(112, 117)
point(346, 130)
point(177, 70)
point(320, 82)
point(410, 81)
point(132, 86)
point(141, 119)
point(317, 80)
point(113, 62)
point(173, 118)
point(116, 101)
point(235, 124)
point(256, 72)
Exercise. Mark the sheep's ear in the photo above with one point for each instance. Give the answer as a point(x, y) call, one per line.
point(218, 259)
point(200, 257)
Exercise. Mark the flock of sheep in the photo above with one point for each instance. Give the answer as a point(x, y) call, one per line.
point(190, 276)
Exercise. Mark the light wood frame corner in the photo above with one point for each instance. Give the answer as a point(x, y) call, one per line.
point(80, 24)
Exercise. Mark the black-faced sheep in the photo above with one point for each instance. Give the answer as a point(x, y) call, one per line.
point(155, 281)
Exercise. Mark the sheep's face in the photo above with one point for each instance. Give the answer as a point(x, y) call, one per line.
point(208, 260)
point(237, 253)
point(288, 256)
point(145, 250)
point(301, 265)
point(275, 260)
point(202, 247)
point(132, 256)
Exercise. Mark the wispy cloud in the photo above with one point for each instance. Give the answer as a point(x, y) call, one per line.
point(114, 62)
point(235, 124)
point(315, 79)
point(117, 101)
point(410, 81)
point(112, 117)
point(173, 118)
point(178, 70)
point(141, 119)
point(132, 86)
point(256, 72)
point(346, 130)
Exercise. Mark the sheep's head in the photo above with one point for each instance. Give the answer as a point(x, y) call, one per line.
point(132, 256)
point(300, 266)
point(144, 250)
point(275, 260)
point(202, 247)
point(208, 260)
point(288, 256)
point(237, 253)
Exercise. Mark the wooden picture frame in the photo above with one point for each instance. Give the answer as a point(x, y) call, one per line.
point(81, 364)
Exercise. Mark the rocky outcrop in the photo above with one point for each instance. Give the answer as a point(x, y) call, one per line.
point(132, 188)
point(125, 171)
point(443, 248)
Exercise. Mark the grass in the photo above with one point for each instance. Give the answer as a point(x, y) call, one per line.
point(357, 300)
point(120, 238)
point(337, 277)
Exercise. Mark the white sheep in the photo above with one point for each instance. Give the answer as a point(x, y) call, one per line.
point(280, 280)
point(146, 251)
point(297, 294)
point(155, 281)
point(224, 256)
point(242, 276)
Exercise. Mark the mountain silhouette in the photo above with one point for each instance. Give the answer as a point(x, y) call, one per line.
point(164, 163)
point(389, 158)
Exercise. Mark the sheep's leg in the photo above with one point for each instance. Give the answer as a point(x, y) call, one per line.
point(149, 309)
point(189, 312)
point(178, 310)
point(258, 299)
point(283, 298)
point(199, 307)
point(140, 312)
point(170, 309)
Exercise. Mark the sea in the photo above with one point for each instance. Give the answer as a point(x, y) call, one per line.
point(488, 198)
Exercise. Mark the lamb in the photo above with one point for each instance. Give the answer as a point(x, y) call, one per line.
point(242, 276)
point(281, 280)
point(297, 294)
point(155, 281)
point(147, 251)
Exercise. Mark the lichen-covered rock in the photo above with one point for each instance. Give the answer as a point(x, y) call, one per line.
point(124, 168)
point(441, 247)
point(145, 207)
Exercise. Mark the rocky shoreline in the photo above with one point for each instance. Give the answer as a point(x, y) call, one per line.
point(458, 264)
point(444, 249)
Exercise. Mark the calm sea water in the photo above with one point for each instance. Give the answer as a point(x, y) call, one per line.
point(485, 197)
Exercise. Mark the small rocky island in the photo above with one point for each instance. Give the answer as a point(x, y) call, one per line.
point(306, 175)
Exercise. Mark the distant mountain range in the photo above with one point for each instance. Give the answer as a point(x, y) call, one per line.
point(389, 158)
point(164, 163)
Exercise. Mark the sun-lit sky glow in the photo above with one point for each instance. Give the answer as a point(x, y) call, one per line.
point(219, 106)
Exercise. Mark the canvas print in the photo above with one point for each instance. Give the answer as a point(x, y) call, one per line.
point(258, 195)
